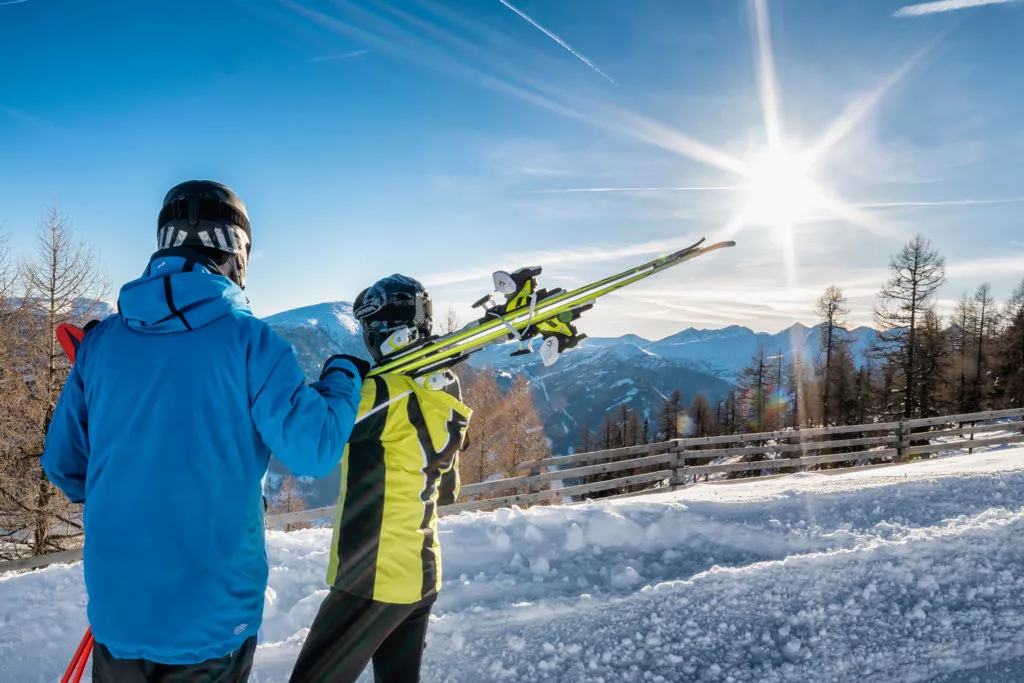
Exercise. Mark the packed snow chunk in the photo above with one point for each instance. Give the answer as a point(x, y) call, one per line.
point(500, 539)
point(574, 539)
point(624, 576)
point(613, 530)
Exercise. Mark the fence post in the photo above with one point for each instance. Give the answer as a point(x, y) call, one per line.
point(534, 470)
point(900, 443)
point(678, 477)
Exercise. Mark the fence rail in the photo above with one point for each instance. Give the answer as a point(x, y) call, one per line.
point(680, 462)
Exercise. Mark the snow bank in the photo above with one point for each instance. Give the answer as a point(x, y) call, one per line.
point(909, 573)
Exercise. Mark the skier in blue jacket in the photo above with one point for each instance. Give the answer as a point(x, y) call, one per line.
point(164, 430)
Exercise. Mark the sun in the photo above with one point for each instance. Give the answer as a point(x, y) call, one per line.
point(779, 190)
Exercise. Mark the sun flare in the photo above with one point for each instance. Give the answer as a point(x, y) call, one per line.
point(779, 190)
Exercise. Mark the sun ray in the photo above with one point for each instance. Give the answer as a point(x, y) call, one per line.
point(856, 111)
point(854, 215)
point(766, 77)
point(733, 227)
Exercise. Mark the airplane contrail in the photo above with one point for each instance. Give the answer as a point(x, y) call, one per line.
point(558, 40)
point(335, 58)
point(923, 8)
point(942, 202)
point(634, 189)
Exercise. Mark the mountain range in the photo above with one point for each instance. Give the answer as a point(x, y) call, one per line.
point(597, 376)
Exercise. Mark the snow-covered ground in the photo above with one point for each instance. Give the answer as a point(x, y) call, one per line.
point(909, 573)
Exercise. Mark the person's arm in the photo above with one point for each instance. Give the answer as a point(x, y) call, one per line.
point(448, 487)
point(65, 457)
point(305, 426)
point(450, 483)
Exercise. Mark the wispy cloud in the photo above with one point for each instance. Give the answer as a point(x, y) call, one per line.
point(336, 58)
point(12, 2)
point(573, 190)
point(558, 40)
point(33, 120)
point(1015, 243)
point(986, 267)
point(923, 8)
point(944, 202)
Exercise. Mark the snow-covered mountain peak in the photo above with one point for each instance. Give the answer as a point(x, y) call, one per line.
point(334, 317)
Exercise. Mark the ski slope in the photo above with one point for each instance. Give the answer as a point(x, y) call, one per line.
point(909, 573)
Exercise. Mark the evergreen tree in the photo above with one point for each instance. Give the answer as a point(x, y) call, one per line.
point(668, 416)
point(756, 385)
point(961, 339)
point(917, 272)
point(586, 442)
point(832, 311)
point(988, 321)
point(702, 417)
point(1011, 351)
point(797, 381)
point(609, 435)
point(931, 358)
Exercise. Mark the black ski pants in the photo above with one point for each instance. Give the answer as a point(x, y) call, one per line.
point(232, 668)
point(349, 631)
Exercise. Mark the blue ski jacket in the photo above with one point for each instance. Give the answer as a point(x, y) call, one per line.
point(164, 430)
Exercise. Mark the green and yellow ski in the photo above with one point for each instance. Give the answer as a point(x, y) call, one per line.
point(528, 313)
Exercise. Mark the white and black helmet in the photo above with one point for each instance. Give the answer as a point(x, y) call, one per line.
point(207, 215)
point(390, 305)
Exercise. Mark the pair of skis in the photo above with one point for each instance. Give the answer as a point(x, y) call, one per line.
point(528, 313)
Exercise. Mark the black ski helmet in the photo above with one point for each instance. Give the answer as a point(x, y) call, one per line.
point(205, 214)
point(387, 306)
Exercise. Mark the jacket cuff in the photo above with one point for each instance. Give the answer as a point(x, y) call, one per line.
point(341, 365)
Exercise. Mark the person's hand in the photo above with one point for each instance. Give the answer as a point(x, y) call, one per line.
point(350, 365)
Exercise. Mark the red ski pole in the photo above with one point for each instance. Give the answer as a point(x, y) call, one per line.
point(84, 659)
point(70, 337)
point(77, 666)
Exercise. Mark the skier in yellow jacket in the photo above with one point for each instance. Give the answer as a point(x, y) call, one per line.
point(401, 462)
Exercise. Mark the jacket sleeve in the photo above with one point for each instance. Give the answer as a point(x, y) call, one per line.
point(66, 449)
point(450, 483)
point(305, 426)
point(448, 488)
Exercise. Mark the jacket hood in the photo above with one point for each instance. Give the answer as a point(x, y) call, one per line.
point(180, 290)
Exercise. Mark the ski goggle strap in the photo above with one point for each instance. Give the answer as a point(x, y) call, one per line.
point(227, 238)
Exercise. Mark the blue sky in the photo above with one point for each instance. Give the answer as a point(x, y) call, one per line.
point(447, 140)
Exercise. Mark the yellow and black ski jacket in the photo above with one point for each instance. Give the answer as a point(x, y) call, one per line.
point(401, 461)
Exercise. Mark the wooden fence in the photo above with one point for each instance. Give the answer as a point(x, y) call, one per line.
point(671, 464)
